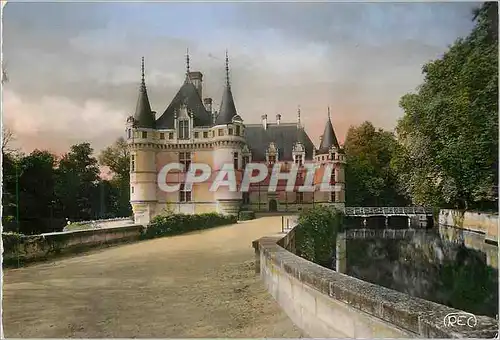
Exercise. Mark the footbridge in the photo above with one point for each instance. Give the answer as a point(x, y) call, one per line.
point(377, 217)
point(387, 211)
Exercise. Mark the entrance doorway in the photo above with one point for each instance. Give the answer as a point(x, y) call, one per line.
point(273, 205)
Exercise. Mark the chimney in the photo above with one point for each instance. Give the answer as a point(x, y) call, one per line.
point(208, 104)
point(264, 121)
point(196, 78)
point(278, 119)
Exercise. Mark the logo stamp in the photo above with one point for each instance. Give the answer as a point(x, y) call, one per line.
point(460, 319)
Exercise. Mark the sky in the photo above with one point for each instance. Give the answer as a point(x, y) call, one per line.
point(74, 68)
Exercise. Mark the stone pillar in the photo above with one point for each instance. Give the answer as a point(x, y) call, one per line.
point(386, 221)
point(365, 222)
point(341, 253)
point(409, 222)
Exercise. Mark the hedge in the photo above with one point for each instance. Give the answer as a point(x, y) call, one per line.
point(175, 224)
point(246, 215)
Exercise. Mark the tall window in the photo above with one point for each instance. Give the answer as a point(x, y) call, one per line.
point(129, 131)
point(144, 134)
point(237, 130)
point(298, 160)
point(332, 196)
point(230, 131)
point(246, 198)
point(299, 197)
point(332, 177)
point(245, 161)
point(235, 161)
point(162, 135)
point(205, 134)
point(221, 132)
point(183, 132)
point(185, 159)
point(184, 194)
point(132, 163)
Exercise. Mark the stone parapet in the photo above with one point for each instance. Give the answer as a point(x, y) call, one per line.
point(486, 224)
point(29, 248)
point(326, 304)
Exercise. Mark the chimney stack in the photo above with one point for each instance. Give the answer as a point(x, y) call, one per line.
point(196, 78)
point(208, 104)
point(278, 119)
point(264, 121)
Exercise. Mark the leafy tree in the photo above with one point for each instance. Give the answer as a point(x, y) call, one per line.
point(369, 179)
point(36, 191)
point(77, 184)
point(117, 158)
point(448, 152)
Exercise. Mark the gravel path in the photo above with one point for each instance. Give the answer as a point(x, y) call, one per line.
point(196, 285)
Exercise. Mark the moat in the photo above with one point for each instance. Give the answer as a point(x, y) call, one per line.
point(428, 266)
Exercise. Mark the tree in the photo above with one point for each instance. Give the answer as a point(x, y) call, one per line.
point(117, 158)
point(36, 192)
point(7, 138)
point(369, 179)
point(77, 183)
point(448, 136)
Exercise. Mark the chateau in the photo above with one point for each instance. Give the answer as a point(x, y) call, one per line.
point(190, 130)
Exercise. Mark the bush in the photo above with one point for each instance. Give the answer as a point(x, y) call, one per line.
point(175, 224)
point(316, 234)
point(246, 215)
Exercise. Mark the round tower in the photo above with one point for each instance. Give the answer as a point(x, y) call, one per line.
point(331, 154)
point(228, 132)
point(142, 145)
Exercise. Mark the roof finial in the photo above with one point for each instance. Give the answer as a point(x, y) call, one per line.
point(329, 117)
point(227, 70)
point(298, 116)
point(143, 80)
point(187, 64)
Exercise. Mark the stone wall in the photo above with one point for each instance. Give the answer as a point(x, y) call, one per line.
point(486, 224)
point(29, 248)
point(107, 223)
point(328, 304)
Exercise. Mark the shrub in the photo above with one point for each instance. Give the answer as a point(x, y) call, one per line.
point(175, 224)
point(246, 215)
point(316, 234)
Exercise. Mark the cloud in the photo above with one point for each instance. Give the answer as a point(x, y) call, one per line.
point(74, 68)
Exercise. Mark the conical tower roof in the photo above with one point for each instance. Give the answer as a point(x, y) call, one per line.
point(227, 108)
point(329, 139)
point(143, 116)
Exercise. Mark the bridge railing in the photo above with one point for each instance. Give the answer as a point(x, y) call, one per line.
point(387, 210)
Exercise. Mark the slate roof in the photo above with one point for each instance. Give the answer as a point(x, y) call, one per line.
point(227, 108)
point(284, 135)
point(143, 116)
point(329, 139)
point(189, 95)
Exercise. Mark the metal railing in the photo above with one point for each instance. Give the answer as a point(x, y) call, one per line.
point(362, 211)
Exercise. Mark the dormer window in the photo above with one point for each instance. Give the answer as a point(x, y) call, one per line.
point(183, 129)
point(332, 156)
point(272, 159)
point(237, 130)
point(129, 133)
point(298, 160)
